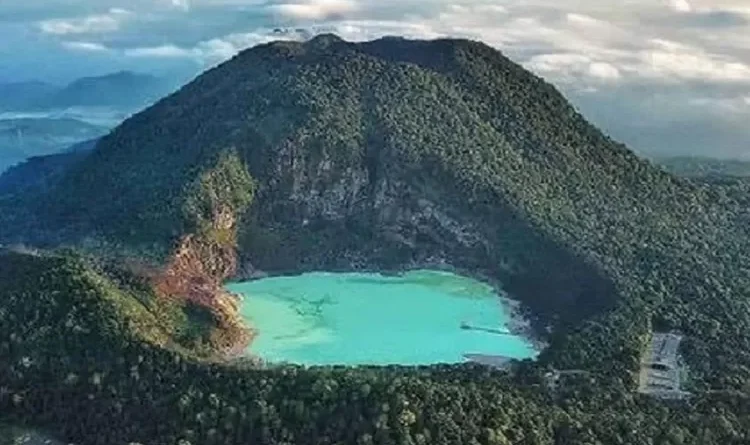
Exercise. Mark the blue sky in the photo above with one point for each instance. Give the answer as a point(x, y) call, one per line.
point(665, 76)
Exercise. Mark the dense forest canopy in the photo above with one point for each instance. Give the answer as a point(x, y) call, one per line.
point(384, 154)
point(85, 360)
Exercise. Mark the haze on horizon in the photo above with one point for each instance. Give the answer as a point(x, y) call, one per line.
point(667, 77)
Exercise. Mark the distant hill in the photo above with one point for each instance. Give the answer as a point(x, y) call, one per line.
point(702, 167)
point(123, 89)
point(120, 90)
point(22, 95)
point(38, 118)
point(40, 173)
point(26, 137)
point(728, 178)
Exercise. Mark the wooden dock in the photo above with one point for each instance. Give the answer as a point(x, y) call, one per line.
point(468, 327)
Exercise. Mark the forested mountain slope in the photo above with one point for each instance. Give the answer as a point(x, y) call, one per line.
point(84, 360)
point(38, 172)
point(397, 153)
point(727, 179)
point(22, 138)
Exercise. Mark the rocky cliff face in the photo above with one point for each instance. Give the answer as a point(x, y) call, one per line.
point(195, 273)
point(319, 214)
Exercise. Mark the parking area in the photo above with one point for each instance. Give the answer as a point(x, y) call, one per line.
point(660, 374)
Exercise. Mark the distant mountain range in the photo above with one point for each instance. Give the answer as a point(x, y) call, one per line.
point(21, 95)
point(23, 138)
point(38, 118)
point(702, 167)
point(123, 89)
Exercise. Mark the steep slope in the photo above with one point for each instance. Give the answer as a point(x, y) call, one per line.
point(81, 147)
point(63, 287)
point(90, 305)
point(21, 138)
point(397, 153)
point(39, 173)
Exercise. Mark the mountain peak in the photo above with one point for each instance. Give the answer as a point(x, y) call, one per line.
point(122, 76)
point(126, 89)
point(324, 40)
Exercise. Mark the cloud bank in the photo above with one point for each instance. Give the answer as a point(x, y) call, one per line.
point(664, 76)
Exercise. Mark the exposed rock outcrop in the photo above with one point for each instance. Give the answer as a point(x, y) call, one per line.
point(394, 217)
point(195, 273)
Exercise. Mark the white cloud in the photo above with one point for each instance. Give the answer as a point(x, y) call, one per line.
point(727, 105)
point(215, 50)
point(207, 52)
point(557, 62)
point(315, 9)
point(603, 70)
point(97, 23)
point(573, 48)
point(695, 50)
point(85, 46)
point(162, 51)
point(675, 61)
point(362, 30)
point(585, 20)
point(568, 67)
point(680, 5)
point(181, 4)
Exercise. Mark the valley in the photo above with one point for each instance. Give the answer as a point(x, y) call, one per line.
point(38, 119)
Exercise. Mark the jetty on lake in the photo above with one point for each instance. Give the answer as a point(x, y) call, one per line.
point(468, 327)
point(494, 361)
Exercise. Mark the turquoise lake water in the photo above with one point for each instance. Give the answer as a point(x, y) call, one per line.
point(365, 318)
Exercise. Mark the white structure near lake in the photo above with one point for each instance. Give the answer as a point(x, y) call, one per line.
point(661, 373)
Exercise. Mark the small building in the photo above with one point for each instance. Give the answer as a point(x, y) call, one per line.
point(660, 374)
